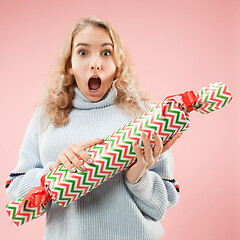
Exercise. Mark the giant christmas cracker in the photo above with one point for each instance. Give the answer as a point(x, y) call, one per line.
point(116, 153)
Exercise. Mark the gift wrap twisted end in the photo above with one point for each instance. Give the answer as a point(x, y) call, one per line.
point(212, 98)
point(116, 152)
point(31, 206)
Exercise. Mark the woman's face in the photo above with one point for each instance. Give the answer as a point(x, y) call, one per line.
point(92, 62)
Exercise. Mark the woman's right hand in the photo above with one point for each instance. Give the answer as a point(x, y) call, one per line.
point(69, 156)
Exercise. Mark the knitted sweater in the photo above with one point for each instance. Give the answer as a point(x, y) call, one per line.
point(114, 210)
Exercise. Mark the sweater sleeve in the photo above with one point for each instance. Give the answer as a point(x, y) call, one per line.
point(164, 168)
point(156, 191)
point(29, 169)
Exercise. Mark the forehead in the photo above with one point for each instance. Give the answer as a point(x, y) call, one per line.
point(92, 35)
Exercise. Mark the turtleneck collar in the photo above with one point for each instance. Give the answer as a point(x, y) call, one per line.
point(82, 103)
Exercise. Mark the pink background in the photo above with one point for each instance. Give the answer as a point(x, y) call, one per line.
point(176, 46)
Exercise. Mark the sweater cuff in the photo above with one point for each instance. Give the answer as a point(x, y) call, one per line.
point(165, 169)
point(35, 176)
point(143, 187)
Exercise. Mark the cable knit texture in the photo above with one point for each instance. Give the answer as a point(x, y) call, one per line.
point(114, 210)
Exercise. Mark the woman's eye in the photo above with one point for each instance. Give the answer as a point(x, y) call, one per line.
point(82, 52)
point(106, 53)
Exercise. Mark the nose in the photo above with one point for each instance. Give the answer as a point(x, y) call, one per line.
point(96, 64)
point(95, 67)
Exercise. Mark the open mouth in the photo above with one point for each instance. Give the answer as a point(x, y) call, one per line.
point(94, 84)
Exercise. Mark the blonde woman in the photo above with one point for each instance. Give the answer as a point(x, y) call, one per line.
point(92, 92)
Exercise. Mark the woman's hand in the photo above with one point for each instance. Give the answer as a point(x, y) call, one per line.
point(69, 156)
point(149, 158)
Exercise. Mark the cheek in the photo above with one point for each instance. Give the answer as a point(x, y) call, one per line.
point(111, 68)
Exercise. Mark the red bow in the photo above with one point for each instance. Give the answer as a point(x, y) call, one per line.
point(36, 197)
point(188, 98)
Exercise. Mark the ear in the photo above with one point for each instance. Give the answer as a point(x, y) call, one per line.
point(70, 71)
point(69, 68)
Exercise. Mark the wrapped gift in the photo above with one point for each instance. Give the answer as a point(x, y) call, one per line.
point(116, 153)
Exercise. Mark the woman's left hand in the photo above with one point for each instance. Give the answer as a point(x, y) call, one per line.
point(148, 158)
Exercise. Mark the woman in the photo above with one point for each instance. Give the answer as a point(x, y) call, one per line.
point(94, 92)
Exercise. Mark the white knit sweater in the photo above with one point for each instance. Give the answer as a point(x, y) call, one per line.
point(116, 209)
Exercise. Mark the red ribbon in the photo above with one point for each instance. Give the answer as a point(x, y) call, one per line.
point(36, 197)
point(188, 98)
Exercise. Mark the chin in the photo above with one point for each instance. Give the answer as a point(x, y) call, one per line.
point(95, 97)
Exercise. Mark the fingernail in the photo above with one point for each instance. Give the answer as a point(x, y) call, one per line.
point(144, 134)
point(73, 169)
point(82, 168)
point(90, 161)
point(179, 135)
point(155, 132)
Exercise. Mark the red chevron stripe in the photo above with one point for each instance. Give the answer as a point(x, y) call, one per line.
point(160, 131)
point(153, 119)
point(119, 145)
point(23, 214)
point(108, 152)
point(92, 178)
point(161, 124)
point(102, 167)
point(218, 102)
point(114, 163)
point(16, 222)
point(204, 105)
point(9, 212)
point(129, 130)
point(125, 152)
point(67, 192)
point(39, 211)
point(226, 92)
point(172, 122)
point(78, 184)
point(58, 175)
point(93, 152)
point(140, 126)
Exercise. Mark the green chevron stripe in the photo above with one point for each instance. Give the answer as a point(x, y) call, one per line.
point(62, 193)
point(206, 98)
point(54, 179)
point(107, 165)
point(177, 118)
point(121, 159)
point(30, 210)
point(222, 97)
point(166, 122)
point(120, 155)
point(96, 174)
point(119, 151)
point(135, 128)
point(150, 125)
point(72, 186)
point(211, 104)
point(22, 219)
point(125, 140)
point(85, 178)
point(13, 210)
point(99, 149)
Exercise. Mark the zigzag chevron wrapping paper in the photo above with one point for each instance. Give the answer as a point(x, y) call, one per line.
point(116, 152)
point(27, 213)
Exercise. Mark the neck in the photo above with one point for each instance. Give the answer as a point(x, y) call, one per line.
point(81, 102)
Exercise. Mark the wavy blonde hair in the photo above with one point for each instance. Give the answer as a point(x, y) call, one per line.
point(60, 88)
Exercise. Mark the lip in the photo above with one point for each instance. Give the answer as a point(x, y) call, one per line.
point(95, 76)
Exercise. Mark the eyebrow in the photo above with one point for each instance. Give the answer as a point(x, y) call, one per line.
point(88, 45)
